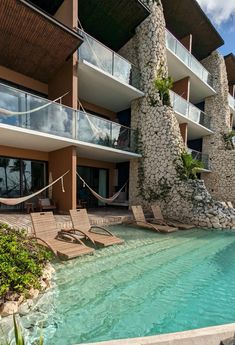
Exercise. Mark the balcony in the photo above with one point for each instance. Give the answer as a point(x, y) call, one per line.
point(106, 78)
point(61, 126)
point(199, 123)
point(183, 64)
point(204, 158)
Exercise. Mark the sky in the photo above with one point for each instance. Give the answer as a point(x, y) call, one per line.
point(222, 15)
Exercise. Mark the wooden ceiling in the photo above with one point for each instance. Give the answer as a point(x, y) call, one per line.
point(184, 17)
point(110, 21)
point(33, 43)
point(230, 66)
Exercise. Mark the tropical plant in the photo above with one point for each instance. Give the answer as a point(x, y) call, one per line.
point(21, 262)
point(229, 140)
point(19, 338)
point(163, 85)
point(190, 167)
point(4, 163)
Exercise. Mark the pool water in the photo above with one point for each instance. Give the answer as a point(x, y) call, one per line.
point(152, 284)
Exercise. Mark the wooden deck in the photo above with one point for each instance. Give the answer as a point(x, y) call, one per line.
point(104, 216)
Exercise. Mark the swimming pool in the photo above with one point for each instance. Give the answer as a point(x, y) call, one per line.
point(152, 284)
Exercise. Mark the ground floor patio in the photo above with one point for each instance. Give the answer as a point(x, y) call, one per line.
point(99, 216)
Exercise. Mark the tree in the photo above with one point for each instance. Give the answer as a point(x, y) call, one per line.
point(4, 163)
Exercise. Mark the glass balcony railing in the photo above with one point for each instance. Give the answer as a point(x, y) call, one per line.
point(231, 101)
point(188, 59)
point(204, 158)
point(108, 61)
point(187, 109)
point(63, 121)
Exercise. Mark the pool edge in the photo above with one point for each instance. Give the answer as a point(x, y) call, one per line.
point(200, 336)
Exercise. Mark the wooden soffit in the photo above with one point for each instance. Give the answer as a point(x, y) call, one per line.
point(32, 42)
point(184, 17)
point(230, 66)
point(112, 22)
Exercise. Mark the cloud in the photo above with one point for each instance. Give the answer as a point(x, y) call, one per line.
point(220, 11)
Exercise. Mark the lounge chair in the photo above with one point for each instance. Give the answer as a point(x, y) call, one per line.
point(81, 224)
point(62, 243)
point(158, 218)
point(140, 220)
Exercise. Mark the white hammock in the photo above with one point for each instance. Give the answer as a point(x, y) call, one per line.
point(13, 113)
point(16, 201)
point(99, 197)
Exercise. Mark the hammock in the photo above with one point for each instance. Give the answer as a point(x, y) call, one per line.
point(99, 197)
point(13, 113)
point(16, 201)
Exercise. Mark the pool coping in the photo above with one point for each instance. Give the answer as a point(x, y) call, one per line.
point(201, 336)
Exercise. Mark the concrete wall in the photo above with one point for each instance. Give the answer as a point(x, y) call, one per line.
point(21, 79)
point(22, 153)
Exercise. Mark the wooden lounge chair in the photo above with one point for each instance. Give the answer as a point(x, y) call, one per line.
point(62, 243)
point(140, 220)
point(158, 218)
point(81, 224)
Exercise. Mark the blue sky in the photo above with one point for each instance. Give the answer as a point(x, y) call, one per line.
point(222, 15)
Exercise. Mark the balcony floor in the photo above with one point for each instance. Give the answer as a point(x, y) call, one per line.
point(33, 140)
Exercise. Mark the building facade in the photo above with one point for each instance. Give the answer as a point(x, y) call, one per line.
point(111, 125)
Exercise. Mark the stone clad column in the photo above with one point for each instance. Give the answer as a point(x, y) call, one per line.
point(221, 181)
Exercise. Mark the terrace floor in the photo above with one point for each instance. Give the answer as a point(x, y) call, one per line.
point(101, 216)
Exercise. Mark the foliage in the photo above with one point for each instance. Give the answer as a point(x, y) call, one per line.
point(107, 141)
point(189, 167)
point(21, 261)
point(163, 85)
point(229, 140)
point(19, 338)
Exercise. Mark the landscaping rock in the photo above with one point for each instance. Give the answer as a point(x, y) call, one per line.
point(9, 308)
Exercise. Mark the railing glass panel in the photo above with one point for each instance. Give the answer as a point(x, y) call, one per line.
point(187, 109)
point(187, 58)
point(204, 158)
point(108, 61)
point(63, 121)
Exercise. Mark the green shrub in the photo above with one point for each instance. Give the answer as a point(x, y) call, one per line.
point(189, 167)
point(163, 85)
point(21, 261)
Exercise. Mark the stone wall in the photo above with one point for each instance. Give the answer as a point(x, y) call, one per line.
point(155, 177)
point(221, 181)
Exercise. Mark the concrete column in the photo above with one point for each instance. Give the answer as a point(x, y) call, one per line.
point(59, 162)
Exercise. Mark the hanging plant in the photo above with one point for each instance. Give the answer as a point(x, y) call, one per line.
point(163, 86)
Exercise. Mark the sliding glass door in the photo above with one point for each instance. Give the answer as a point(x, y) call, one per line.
point(20, 177)
point(97, 179)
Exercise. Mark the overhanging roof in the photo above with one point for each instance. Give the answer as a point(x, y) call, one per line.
point(230, 66)
point(112, 22)
point(184, 17)
point(33, 43)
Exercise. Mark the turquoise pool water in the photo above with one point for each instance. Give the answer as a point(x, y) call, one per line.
point(153, 284)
